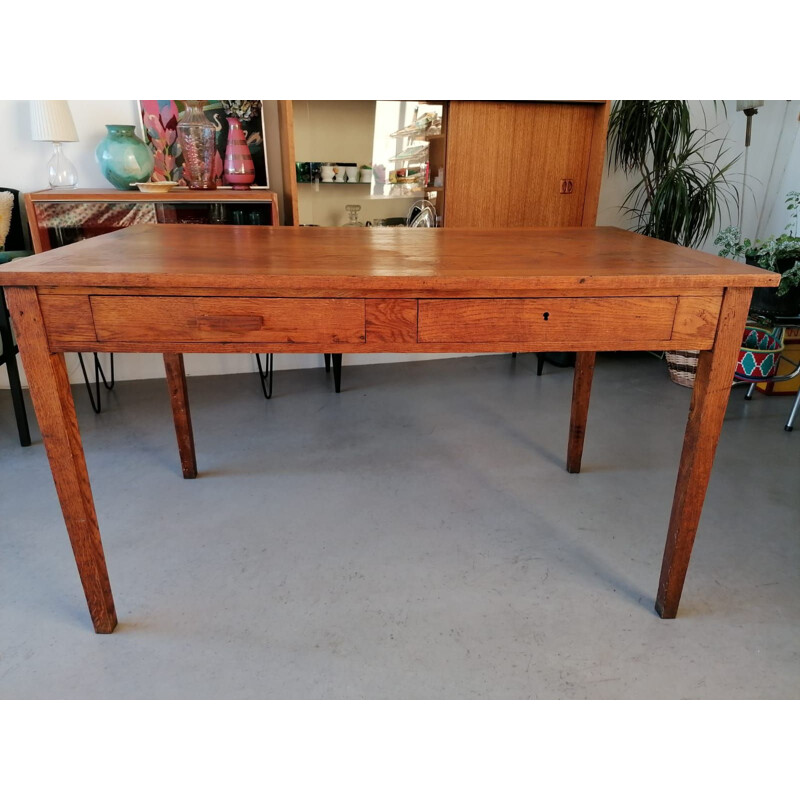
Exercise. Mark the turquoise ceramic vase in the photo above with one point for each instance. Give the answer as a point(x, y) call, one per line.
point(123, 157)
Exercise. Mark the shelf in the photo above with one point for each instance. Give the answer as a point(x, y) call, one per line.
point(180, 194)
point(418, 137)
point(335, 183)
point(418, 153)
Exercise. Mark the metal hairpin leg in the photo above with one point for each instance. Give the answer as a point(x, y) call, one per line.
point(337, 368)
point(265, 375)
point(99, 375)
point(9, 358)
point(539, 362)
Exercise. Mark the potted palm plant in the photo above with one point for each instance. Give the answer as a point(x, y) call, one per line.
point(681, 181)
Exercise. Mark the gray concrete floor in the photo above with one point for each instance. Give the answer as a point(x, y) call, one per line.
point(415, 536)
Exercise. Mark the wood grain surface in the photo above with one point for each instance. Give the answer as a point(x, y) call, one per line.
point(581, 391)
point(55, 411)
point(213, 319)
point(710, 395)
point(463, 262)
point(552, 323)
point(506, 162)
point(391, 321)
point(179, 399)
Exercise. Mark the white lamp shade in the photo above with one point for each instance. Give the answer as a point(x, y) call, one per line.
point(51, 121)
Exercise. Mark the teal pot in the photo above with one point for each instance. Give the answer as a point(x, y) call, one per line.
point(123, 157)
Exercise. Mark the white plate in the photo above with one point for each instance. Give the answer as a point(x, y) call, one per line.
point(157, 186)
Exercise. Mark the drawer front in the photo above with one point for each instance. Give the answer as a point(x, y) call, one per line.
point(561, 321)
point(230, 319)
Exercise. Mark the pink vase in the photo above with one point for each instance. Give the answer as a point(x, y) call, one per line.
point(238, 171)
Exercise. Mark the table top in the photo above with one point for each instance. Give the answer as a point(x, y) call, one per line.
point(466, 261)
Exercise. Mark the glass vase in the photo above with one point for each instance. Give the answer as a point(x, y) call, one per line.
point(197, 137)
point(61, 171)
point(123, 157)
point(239, 170)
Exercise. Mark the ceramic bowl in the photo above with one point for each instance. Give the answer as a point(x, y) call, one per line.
point(157, 186)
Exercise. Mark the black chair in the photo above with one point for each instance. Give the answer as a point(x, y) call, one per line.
point(13, 247)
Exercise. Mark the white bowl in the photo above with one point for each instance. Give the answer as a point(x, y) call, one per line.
point(157, 186)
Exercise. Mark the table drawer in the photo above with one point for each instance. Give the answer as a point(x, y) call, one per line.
point(231, 319)
point(594, 321)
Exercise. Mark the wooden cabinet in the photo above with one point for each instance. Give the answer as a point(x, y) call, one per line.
point(523, 164)
point(57, 218)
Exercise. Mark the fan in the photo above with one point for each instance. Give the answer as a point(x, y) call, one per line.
point(421, 215)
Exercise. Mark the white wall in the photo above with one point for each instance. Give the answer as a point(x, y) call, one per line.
point(22, 166)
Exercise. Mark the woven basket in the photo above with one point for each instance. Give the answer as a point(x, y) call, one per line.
point(682, 366)
point(759, 354)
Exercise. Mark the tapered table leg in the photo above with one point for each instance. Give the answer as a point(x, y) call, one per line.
point(179, 397)
point(52, 400)
point(581, 389)
point(712, 386)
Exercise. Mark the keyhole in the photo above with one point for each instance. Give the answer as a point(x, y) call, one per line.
point(546, 315)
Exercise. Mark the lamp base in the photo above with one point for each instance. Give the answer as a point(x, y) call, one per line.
point(61, 171)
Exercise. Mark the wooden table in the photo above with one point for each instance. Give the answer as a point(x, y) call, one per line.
point(216, 289)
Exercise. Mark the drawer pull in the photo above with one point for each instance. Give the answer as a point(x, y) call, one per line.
point(239, 323)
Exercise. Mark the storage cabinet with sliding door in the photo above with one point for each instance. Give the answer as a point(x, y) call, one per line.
point(523, 164)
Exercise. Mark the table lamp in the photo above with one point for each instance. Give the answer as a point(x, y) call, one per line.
point(51, 121)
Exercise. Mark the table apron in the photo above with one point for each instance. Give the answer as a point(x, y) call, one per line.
point(203, 323)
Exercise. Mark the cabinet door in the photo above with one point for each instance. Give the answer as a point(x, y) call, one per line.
point(517, 164)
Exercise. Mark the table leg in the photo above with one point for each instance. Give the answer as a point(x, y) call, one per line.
point(14, 384)
point(336, 358)
point(581, 389)
point(712, 388)
point(176, 383)
point(52, 400)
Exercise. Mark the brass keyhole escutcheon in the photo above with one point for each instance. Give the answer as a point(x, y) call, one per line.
point(546, 315)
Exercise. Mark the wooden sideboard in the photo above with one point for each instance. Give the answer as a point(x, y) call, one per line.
point(59, 217)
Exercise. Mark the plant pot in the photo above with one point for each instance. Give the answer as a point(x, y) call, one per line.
point(682, 366)
point(759, 355)
point(768, 303)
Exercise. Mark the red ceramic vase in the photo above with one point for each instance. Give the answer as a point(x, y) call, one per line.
point(238, 171)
